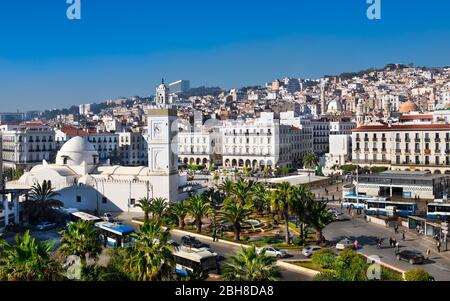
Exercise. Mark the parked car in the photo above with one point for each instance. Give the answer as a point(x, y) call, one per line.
point(345, 244)
point(273, 252)
point(308, 251)
point(192, 242)
point(45, 226)
point(413, 257)
point(339, 217)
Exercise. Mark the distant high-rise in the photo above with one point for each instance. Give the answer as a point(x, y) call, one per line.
point(180, 86)
point(84, 109)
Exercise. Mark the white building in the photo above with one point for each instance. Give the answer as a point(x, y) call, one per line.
point(133, 148)
point(26, 145)
point(86, 185)
point(340, 151)
point(84, 109)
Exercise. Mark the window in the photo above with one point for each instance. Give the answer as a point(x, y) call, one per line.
point(78, 199)
point(104, 200)
point(132, 202)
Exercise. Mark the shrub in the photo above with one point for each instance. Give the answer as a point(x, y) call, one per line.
point(325, 258)
point(328, 275)
point(378, 169)
point(417, 275)
point(390, 275)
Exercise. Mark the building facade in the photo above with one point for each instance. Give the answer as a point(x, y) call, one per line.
point(26, 145)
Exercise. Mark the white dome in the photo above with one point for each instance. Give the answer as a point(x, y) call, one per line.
point(334, 106)
point(76, 151)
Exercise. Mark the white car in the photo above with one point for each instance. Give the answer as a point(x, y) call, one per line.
point(339, 217)
point(345, 244)
point(273, 252)
point(308, 251)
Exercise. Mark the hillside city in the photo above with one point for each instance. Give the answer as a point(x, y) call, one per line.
point(298, 175)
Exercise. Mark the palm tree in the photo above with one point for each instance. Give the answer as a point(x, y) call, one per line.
point(267, 170)
point(42, 201)
point(198, 209)
point(242, 192)
point(318, 217)
point(303, 197)
point(180, 210)
point(283, 201)
point(214, 197)
point(28, 260)
point(226, 187)
point(236, 214)
point(150, 258)
point(82, 240)
point(310, 162)
point(145, 205)
point(261, 198)
point(158, 206)
point(248, 265)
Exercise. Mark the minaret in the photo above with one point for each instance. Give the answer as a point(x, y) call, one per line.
point(323, 104)
point(360, 114)
point(162, 153)
point(387, 109)
point(162, 94)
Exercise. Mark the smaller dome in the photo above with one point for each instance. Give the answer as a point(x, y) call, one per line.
point(408, 107)
point(335, 106)
point(77, 151)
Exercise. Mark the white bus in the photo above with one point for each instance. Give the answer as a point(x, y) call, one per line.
point(356, 201)
point(385, 207)
point(438, 211)
point(115, 235)
point(187, 259)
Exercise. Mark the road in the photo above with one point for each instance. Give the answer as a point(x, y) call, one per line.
point(366, 234)
point(226, 250)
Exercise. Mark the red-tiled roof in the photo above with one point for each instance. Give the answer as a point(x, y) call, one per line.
point(416, 117)
point(403, 127)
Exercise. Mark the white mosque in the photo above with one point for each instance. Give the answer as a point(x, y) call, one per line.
point(85, 185)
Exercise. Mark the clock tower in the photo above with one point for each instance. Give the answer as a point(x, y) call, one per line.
point(162, 153)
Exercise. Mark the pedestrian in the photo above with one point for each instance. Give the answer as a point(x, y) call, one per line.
point(428, 254)
point(403, 236)
point(214, 233)
point(396, 229)
point(221, 231)
point(397, 244)
point(438, 245)
point(390, 241)
point(356, 244)
point(342, 206)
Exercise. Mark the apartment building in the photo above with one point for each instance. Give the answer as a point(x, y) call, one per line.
point(26, 145)
point(133, 149)
point(403, 146)
point(323, 129)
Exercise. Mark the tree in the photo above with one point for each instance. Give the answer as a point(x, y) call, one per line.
point(417, 275)
point(145, 205)
point(318, 217)
point(303, 197)
point(262, 198)
point(42, 201)
point(82, 240)
point(248, 265)
point(226, 186)
point(324, 258)
point(158, 206)
point(283, 201)
point(28, 260)
point(310, 162)
point(215, 176)
point(350, 266)
point(236, 214)
point(180, 210)
point(198, 209)
point(242, 192)
point(150, 258)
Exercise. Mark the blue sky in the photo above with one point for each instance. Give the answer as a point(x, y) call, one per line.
point(123, 48)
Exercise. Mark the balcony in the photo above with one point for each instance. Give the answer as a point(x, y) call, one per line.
point(417, 140)
point(383, 139)
point(375, 139)
point(447, 139)
point(427, 139)
point(407, 151)
point(427, 152)
point(375, 149)
point(437, 151)
point(398, 140)
point(417, 151)
point(383, 150)
point(358, 139)
point(358, 150)
point(366, 150)
point(437, 140)
point(407, 139)
point(366, 139)
point(398, 151)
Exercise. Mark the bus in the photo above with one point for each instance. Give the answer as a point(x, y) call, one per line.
point(384, 206)
point(438, 211)
point(83, 216)
point(187, 259)
point(115, 235)
point(356, 201)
